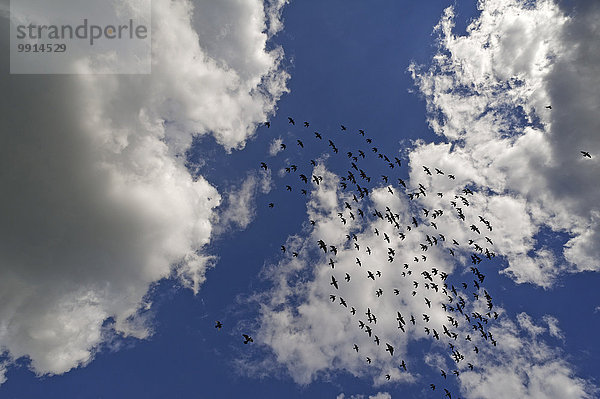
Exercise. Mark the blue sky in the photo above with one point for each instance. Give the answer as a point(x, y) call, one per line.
point(470, 103)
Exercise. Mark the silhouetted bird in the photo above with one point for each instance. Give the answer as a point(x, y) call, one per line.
point(247, 338)
point(334, 282)
point(390, 348)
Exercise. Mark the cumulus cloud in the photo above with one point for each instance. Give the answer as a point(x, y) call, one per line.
point(523, 366)
point(98, 203)
point(309, 326)
point(487, 94)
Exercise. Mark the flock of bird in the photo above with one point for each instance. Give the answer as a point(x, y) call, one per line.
point(467, 322)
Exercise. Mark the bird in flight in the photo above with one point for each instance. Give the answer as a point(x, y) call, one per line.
point(586, 154)
point(343, 127)
point(247, 338)
point(263, 165)
point(306, 124)
point(218, 325)
point(428, 302)
point(390, 348)
point(334, 282)
point(322, 245)
point(290, 120)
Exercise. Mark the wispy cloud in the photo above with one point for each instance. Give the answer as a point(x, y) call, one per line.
point(239, 208)
point(275, 147)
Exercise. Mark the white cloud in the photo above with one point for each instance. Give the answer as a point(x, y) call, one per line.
point(522, 366)
point(239, 208)
point(526, 324)
point(487, 94)
point(98, 203)
point(313, 336)
point(275, 147)
point(309, 333)
point(381, 395)
point(553, 328)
